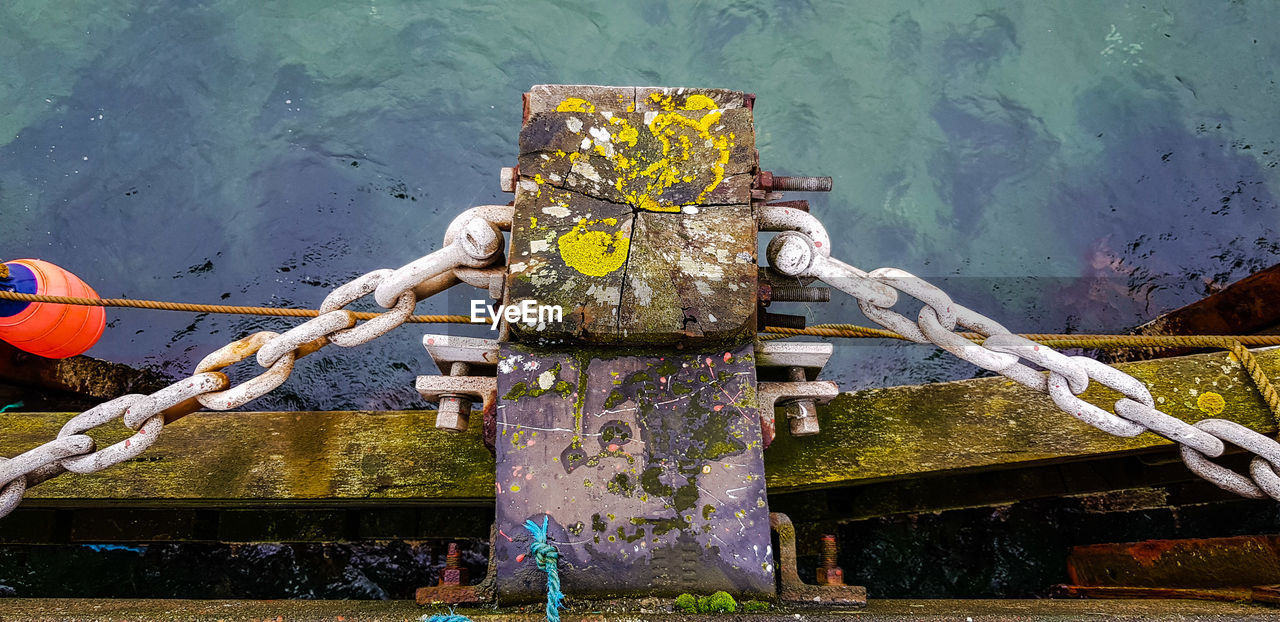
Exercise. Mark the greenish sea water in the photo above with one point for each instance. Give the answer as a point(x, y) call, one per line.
point(1058, 166)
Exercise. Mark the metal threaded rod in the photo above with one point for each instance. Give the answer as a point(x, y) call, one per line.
point(796, 293)
point(829, 550)
point(802, 184)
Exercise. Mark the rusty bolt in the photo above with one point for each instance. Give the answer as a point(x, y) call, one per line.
point(802, 415)
point(454, 410)
point(507, 178)
point(829, 573)
point(453, 572)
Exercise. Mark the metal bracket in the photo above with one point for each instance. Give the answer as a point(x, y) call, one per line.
point(795, 592)
point(799, 395)
point(482, 592)
point(460, 357)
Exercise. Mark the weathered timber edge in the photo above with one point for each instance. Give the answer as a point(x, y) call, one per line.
point(255, 458)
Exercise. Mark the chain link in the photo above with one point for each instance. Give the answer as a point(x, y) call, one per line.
point(376, 327)
point(1068, 376)
point(473, 239)
point(311, 335)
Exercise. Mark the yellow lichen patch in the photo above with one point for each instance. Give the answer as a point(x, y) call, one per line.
point(628, 134)
point(591, 251)
point(697, 101)
point(575, 104)
point(642, 182)
point(645, 171)
point(1211, 403)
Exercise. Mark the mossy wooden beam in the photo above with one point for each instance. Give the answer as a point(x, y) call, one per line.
point(900, 432)
point(255, 457)
point(82, 375)
point(250, 458)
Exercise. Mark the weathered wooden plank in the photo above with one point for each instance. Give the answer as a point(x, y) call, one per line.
point(551, 97)
point(900, 432)
point(350, 456)
point(1242, 308)
point(872, 435)
point(637, 223)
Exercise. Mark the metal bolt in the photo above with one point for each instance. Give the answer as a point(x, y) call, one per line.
point(802, 184)
point(802, 414)
point(780, 320)
point(796, 293)
point(453, 572)
point(829, 573)
point(766, 180)
point(790, 252)
point(507, 178)
point(454, 410)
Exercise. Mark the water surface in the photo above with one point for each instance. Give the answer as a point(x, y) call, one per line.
point(1077, 166)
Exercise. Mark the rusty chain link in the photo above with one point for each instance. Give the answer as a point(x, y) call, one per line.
point(474, 239)
point(794, 254)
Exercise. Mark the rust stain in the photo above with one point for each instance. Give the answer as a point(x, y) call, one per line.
point(1148, 553)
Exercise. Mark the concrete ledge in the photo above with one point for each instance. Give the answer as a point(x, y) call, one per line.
point(92, 610)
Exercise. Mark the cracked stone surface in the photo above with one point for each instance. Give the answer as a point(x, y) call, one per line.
point(633, 214)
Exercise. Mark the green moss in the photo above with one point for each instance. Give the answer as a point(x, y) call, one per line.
point(720, 602)
point(517, 391)
point(755, 606)
point(686, 603)
point(621, 485)
point(686, 497)
point(651, 484)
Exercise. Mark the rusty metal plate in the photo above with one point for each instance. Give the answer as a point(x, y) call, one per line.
point(649, 467)
point(1237, 561)
point(637, 224)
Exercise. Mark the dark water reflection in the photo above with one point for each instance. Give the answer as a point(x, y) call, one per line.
point(261, 154)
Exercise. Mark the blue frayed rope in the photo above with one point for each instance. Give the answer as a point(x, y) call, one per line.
point(445, 617)
point(546, 556)
point(13, 405)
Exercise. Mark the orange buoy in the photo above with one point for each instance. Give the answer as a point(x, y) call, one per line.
point(50, 330)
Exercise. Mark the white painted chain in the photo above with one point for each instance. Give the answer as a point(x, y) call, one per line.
point(794, 254)
point(474, 239)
